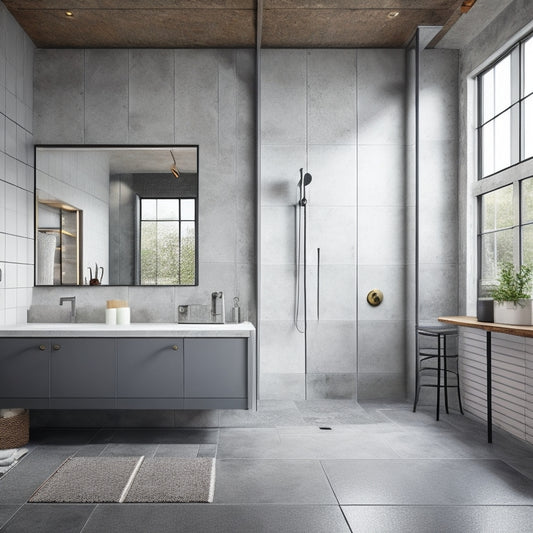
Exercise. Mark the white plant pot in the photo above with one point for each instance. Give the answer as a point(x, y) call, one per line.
point(510, 313)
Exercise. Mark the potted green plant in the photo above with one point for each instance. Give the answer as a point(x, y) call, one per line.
point(512, 296)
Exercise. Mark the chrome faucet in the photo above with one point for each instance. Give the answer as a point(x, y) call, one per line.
point(72, 300)
point(217, 307)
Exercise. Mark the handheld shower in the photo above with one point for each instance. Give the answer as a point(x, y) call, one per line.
point(305, 180)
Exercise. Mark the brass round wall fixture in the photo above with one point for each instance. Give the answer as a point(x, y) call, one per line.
point(374, 297)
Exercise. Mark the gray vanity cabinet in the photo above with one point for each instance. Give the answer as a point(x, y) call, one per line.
point(82, 373)
point(216, 373)
point(150, 373)
point(24, 372)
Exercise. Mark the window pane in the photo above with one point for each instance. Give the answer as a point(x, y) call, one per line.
point(149, 253)
point(528, 66)
point(496, 249)
point(527, 245)
point(187, 264)
point(502, 141)
point(148, 209)
point(487, 96)
point(168, 253)
point(187, 209)
point(168, 209)
point(487, 149)
point(528, 127)
point(497, 209)
point(526, 193)
point(502, 85)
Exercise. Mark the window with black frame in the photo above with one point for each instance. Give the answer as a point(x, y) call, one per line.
point(168, 241)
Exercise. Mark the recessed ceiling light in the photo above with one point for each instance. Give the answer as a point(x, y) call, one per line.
point(393, 14)
point(69, 14)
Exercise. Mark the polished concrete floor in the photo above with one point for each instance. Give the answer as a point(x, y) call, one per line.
point(379, 468)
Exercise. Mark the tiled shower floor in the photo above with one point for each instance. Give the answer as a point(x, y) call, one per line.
point(379, 468)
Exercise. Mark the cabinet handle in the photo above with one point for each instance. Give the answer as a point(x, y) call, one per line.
point(175, 347)
point(56, 347)
point(42, 347)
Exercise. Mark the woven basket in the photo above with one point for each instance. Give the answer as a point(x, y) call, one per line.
point(15, 431)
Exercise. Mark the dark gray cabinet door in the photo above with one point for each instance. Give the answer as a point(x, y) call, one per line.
point(150, 368)
point(24, 368)
point(216, 368)
point(82, 368)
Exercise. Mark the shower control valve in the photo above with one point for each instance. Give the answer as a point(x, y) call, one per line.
point(374, 297)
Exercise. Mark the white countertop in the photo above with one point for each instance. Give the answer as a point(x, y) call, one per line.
point(245, 329)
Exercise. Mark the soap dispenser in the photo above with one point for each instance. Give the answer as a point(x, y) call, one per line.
point(236, 311)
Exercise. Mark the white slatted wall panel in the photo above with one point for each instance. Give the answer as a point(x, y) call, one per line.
point(512, 385)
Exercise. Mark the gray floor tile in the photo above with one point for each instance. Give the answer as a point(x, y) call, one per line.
point(177, 450)
point(207, 450)
point(428, 482)
point(6, 512)
point(271, 481)
point(447, 519)
point(159, 436)
point(278, 444)
point(422, 417)
point(48, 518)
point(260, 418)
point(129, 450)
point(90, 450)
point(213, 518)
point(26, 477)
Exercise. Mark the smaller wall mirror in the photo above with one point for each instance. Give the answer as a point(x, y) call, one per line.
point(116, 215)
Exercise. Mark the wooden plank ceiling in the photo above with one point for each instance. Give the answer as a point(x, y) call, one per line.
point(229, 23)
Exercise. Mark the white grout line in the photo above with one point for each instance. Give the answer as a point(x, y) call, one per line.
point(130, 480)
point(212, 482)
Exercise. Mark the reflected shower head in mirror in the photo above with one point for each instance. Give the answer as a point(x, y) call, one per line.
point(173, 168)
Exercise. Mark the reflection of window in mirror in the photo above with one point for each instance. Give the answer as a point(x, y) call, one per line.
point(168, 241)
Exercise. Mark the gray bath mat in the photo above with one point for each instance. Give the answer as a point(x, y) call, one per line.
point(173, 479)
point(129, 479)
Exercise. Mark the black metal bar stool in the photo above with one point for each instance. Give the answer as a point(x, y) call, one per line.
point(433, 361)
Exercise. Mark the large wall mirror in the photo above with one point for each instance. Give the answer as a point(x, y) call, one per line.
point(116, 215)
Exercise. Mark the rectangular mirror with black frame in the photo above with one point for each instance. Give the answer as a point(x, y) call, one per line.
point(116, 215)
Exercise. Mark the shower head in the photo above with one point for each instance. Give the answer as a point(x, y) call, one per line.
point(304, 178)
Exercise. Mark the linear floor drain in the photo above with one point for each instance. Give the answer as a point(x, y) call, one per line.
point(325, 428)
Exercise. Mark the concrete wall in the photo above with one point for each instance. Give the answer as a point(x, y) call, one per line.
point(16, 170)
point(203, 97)
point(340, 115)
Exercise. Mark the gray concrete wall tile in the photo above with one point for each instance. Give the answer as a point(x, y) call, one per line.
point(332, 346)
point(380, 176)
point(282, 386)
point(283, 96)
point(282, 347)
point(331, 82)
point(333, 168)
point(382, 235)
point(106, 96)
point(331, 386)
point(280, 165)
point(151, 96)
point(381, 346)
point(390, 280)
point(59, 96)
point(380, 96)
